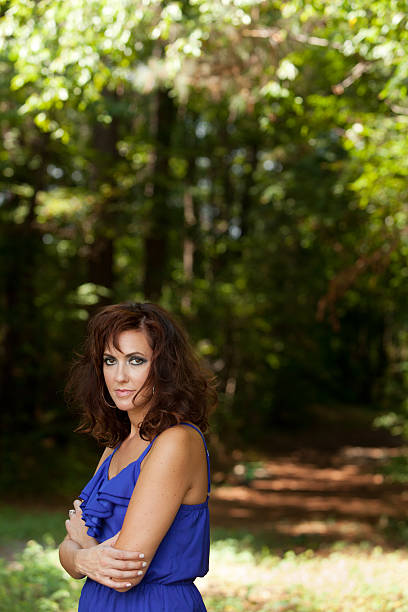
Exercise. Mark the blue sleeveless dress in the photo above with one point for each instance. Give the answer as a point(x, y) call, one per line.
point(182, 555)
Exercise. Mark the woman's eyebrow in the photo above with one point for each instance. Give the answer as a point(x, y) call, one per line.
point(128, 355)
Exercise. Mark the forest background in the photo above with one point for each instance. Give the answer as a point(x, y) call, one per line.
point(244, 163)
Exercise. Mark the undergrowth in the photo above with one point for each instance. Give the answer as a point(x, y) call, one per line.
point(350, 579)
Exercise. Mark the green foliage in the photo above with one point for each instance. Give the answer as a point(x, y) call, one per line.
point(243, 163)
point(34, 581)
point(396, 469)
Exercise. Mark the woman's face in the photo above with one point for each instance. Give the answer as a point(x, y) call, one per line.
point(126, 370)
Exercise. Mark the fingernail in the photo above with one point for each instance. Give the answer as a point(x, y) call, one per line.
point(128, 584)
point(139, 573)
point(141, 556)
point(144, 564)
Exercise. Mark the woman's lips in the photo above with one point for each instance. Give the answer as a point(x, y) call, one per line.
point(123, 392)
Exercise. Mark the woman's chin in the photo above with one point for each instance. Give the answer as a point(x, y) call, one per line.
point(125, 406)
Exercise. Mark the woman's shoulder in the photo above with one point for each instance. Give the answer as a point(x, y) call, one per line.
point(178, 439)
point(106, 453)
point(173, 434)
point(177, 451)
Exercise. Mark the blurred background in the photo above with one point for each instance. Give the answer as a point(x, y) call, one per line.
point(243, 163)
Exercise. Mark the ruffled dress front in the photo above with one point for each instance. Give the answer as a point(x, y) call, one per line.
point(183, 554)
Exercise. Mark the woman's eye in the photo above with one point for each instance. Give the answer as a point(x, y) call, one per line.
point(136, 360)
point(108, 360)
point(133, 361)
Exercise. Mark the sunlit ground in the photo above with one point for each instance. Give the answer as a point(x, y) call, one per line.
point(313, 498)
point(348, 579)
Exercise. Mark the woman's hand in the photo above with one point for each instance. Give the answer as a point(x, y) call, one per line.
point(76, 528)
point(112, 567)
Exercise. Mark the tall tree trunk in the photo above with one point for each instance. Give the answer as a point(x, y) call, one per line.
point(247, 198)
point(101, 252)
point(156, 264)
point(23, 330)
point(190, 223)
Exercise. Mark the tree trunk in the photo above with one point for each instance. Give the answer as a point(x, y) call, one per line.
point(101, 252)
point(247, 198)
point(156, 264)
point(23, 331)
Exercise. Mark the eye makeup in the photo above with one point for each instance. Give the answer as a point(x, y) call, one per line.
point(132, 358)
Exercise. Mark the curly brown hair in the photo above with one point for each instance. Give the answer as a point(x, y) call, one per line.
point(181, 389)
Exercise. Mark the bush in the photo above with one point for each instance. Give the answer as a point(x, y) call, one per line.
point(36, 582)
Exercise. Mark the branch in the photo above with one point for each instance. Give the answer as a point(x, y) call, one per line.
point(316, 41)
point(398, 110)
point(347, 277)
point(277, 35)
point(358, 70)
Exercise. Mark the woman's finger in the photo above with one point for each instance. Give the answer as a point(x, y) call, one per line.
point(123, 575)
point(125, 555)
point(127, 565)
point(77, 506)
point(114, 584)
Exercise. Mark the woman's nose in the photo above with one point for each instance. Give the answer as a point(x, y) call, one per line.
point(121, 372)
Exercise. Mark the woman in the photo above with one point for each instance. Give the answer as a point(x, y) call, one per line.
point(141, 533)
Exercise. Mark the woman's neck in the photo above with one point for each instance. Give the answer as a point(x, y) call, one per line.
point(136, 417)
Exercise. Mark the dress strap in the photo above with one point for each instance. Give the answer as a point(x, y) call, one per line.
point(206, 452)
point(146, 450)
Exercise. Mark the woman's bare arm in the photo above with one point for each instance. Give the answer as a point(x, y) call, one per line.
point(67, 556)
point(104, 563)
point(160, 489)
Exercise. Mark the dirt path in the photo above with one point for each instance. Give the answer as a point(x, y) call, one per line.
point(316, 496)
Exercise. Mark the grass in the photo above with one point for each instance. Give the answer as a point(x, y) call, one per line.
point(345, 579)
point(17, 525)
point(247, 573)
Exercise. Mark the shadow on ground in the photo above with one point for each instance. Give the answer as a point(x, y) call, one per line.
point(311, 498)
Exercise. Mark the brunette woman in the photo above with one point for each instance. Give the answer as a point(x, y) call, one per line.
point(141, 533)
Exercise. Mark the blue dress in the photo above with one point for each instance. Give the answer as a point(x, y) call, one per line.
point(182, 555)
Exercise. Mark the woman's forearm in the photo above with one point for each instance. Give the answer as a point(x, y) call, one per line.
point(117, 569)
point(68, 551)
